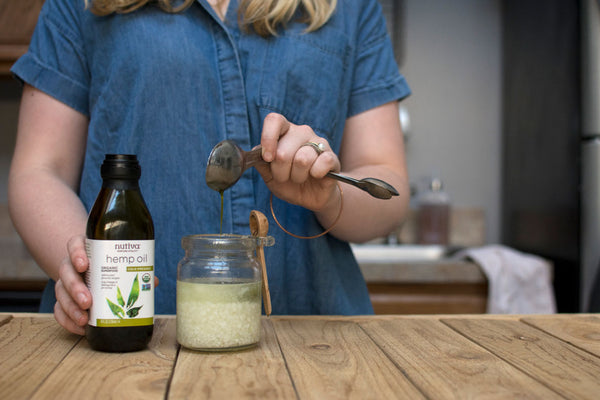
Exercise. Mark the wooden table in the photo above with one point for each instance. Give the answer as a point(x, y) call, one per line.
point(378, 357)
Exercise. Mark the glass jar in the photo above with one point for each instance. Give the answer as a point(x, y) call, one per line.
point(219, 292)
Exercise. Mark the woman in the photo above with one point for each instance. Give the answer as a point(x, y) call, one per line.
point(169, 80)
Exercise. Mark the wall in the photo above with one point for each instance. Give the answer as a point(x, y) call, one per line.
point(452, 61)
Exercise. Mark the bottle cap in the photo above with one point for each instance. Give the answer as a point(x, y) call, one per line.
point(120, 166)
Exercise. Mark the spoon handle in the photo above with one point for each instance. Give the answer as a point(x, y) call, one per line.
point(344, 178)
point(253, 157)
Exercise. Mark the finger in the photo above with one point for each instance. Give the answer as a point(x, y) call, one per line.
point(67, 313)
point(315, 158)
point(73, 284)
point(274, 126)
point(77, 253)
point(264, 169)
point(287, 149)
point(327, 161)
point(304, 159)
point(156, 281)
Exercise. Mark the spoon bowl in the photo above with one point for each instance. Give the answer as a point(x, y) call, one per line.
point(226, 164)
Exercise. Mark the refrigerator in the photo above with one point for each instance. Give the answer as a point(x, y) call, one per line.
point(590, 152)
point(551, 143)
point(549, 165)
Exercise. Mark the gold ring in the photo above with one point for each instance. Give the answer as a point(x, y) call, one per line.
point(319, 147)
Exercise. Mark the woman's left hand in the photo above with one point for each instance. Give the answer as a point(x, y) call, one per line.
point(295, 171)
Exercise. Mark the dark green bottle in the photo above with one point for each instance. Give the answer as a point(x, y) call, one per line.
point(120, 247)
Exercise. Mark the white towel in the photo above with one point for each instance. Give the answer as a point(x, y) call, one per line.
point(518, 283)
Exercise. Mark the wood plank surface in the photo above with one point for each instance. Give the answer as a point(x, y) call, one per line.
point(566, 369)
point(86, 373)
point(30, 349)
point(446, 365)
point(337, 360)
point(582, 331)
point(257, 372)
point(5, 319)
point(317, 357)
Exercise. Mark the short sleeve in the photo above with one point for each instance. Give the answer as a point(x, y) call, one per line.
point(377, 79)
point(55, 62)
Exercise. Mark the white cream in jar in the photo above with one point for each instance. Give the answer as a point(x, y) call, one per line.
point(218, 316)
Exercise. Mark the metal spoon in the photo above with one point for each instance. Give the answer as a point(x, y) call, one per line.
point(227, 162)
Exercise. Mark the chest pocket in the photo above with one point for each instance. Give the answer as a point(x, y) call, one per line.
point(305, 78)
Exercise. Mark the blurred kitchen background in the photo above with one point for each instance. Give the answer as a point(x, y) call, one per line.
point(495, 114)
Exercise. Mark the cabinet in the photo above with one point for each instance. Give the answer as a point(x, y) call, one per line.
point(428, 298)
point(17, 22)
point(443, 286)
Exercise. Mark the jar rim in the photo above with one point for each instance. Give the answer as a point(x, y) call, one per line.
point(226, 241)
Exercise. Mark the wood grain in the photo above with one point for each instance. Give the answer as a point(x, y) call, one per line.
point(582, 331)
point(31, 348)
point(258, 372)
point(445, 365)
point(564, 368)
point(5, 319)
point(86, 373)
point(337, 360)
point(317, 357)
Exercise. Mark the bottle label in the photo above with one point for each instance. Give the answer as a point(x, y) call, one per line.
point(121, 280)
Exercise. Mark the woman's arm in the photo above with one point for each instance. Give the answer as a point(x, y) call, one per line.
point(44, 177)
point(42, 195)
point(372, 146)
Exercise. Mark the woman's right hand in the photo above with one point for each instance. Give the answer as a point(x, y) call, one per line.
point(73, 298)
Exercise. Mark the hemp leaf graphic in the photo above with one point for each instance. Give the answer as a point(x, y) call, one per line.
point(119, 309)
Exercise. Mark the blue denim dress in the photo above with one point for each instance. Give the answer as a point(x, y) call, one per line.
point(168, 87)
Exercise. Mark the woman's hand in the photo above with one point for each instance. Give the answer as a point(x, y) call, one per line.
point(295, 171)
point(371, 146)
point(73, 298)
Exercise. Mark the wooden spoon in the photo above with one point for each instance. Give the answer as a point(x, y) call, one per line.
point(259, 227)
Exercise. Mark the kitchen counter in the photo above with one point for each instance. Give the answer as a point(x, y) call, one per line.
point(401, 279)
point(434, 286)
point(398, 271)
point(440, 357)
point(18, 270)
point(421, 280)
point(433, 271)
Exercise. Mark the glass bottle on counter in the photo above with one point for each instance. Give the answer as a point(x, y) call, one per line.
point(433, 219)
point(219, 292)
point(120, 247)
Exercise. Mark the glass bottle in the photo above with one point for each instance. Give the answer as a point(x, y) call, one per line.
point(433, 220)
point(219, 292)
point(120, 247)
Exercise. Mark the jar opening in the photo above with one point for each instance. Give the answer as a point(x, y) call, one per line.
point(225, 242)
